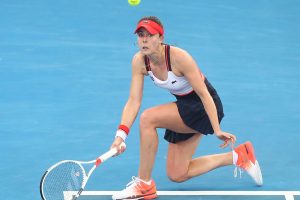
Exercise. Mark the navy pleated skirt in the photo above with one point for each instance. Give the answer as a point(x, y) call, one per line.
point(193, 114)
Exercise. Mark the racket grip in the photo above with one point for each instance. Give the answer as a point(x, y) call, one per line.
point(108, 154)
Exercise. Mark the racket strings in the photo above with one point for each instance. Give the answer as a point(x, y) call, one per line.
point(67, 176)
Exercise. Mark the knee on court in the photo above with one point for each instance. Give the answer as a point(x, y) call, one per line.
point(177, 176)
point(177, 179)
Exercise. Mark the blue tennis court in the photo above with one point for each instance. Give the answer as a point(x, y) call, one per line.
point(65, 76)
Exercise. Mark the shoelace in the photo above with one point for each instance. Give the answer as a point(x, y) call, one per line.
point(134, 181)
point(235, 172)
point(237, 168)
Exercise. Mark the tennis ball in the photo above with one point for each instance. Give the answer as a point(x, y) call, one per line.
point(134, 2)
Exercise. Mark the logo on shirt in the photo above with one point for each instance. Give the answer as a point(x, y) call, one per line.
point(173, 82)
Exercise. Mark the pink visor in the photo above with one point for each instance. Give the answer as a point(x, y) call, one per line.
point(151, 26)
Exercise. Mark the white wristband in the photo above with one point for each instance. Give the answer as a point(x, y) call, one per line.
point(122, 134)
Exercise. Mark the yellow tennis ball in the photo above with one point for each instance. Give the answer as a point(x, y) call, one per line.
point(134, 2)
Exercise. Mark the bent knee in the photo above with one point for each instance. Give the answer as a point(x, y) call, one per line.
point(147, 118)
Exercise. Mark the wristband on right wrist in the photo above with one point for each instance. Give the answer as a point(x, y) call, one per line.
point(124, 128)
point(122, 132)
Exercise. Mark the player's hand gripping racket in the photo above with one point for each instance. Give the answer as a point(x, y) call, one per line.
point(66, 179)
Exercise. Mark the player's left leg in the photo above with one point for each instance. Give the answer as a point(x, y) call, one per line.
point(162, 116)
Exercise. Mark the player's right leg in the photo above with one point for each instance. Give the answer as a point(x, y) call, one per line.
point(181, 165)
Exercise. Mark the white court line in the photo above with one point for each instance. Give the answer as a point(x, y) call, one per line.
point(289, 195)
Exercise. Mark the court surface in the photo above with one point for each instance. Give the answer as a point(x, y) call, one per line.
point(207, 195)
point(65, 75)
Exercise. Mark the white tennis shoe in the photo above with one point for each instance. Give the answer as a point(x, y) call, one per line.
point(247, 161)
point(137, 189)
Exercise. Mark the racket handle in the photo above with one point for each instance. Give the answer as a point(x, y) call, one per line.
point(108, 154)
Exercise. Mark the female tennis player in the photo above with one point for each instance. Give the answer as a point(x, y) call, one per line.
point(197, 111)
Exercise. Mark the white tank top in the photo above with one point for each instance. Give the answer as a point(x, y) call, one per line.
point(177, 85)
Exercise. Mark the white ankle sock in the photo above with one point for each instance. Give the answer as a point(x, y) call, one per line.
point(234, 157)
point(147, 182)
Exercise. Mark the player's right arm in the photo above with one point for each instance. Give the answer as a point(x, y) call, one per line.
point(133, 103)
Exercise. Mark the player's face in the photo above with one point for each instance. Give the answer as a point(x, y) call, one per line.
point(147, 42)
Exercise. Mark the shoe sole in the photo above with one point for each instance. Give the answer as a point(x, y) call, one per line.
point(147, 197)
point(259, 178)
point(255, 172)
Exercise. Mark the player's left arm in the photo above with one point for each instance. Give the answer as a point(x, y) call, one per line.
point(187, 66)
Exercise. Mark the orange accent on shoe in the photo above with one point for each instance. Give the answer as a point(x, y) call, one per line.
point(247, 161)
point(146, 191)
point(137, 189)
point(245, 155)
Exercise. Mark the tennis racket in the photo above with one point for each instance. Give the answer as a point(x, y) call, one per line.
point(66, 179)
